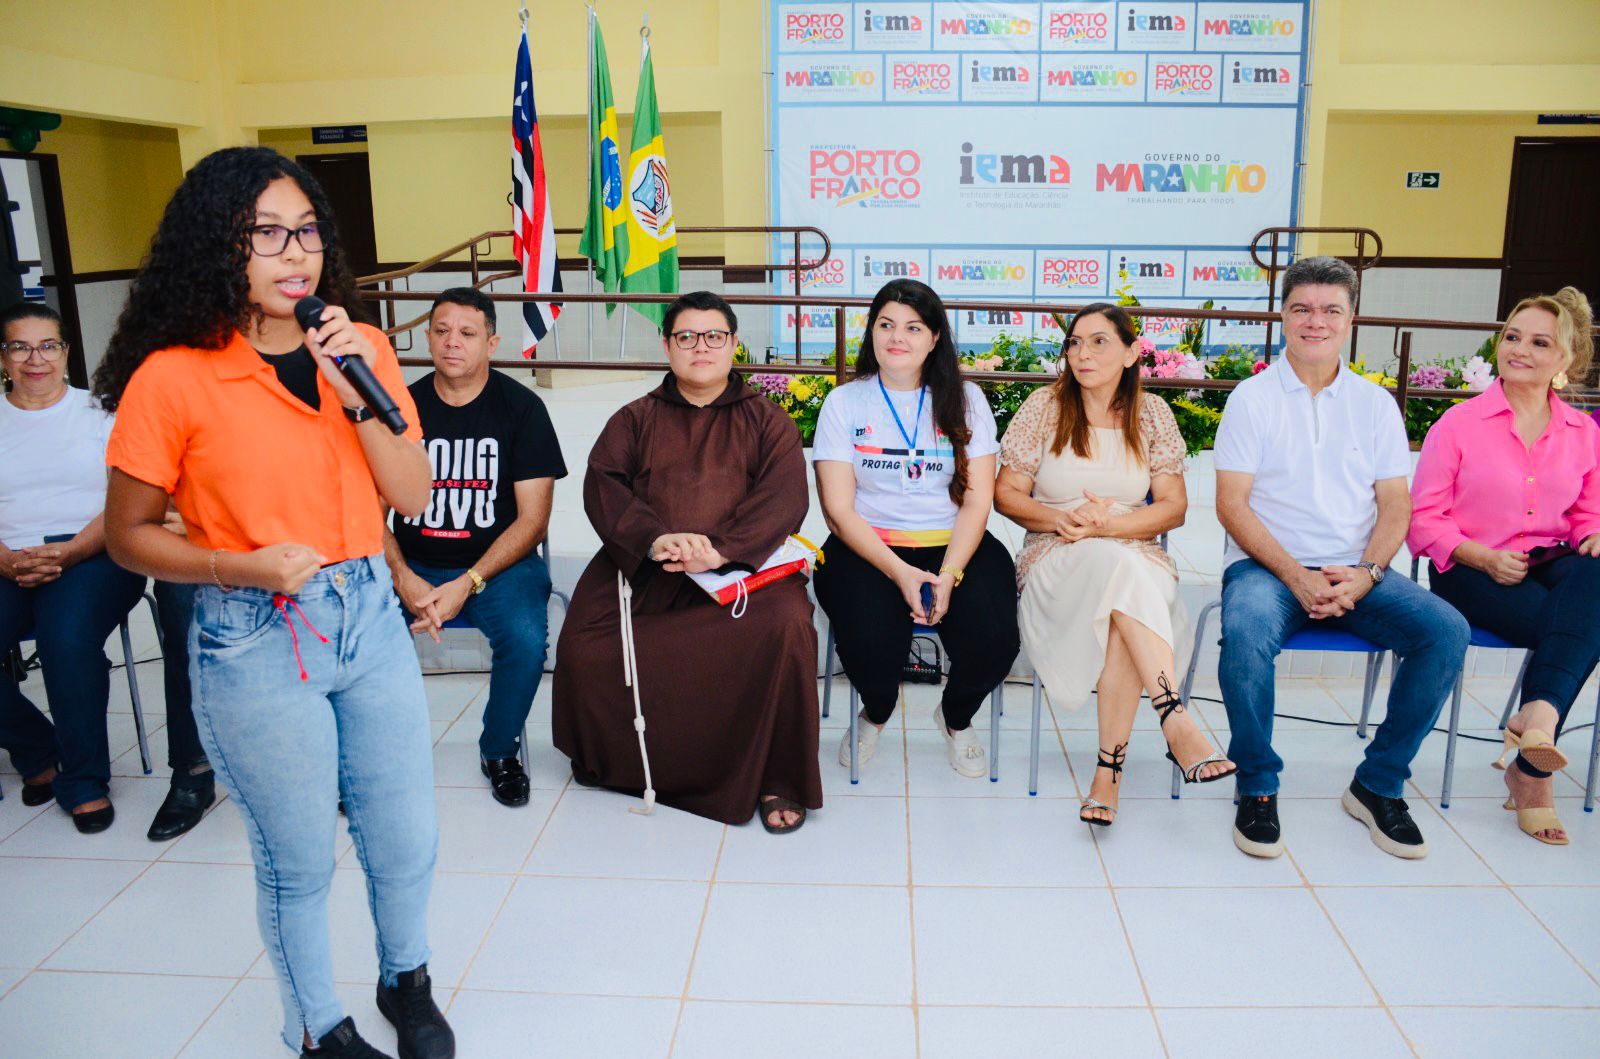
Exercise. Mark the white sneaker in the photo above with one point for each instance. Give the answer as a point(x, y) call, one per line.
point(866, 742)
point(966, 753)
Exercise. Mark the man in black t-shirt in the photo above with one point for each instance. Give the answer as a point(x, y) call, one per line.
point(473, 552)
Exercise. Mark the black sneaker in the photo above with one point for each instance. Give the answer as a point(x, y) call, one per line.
point(342, 1042)
point(417, 1020)
point(1255, 826)
point(1389, 821)
point(507, 781)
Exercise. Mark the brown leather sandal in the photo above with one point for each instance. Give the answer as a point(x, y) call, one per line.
point(766, 807)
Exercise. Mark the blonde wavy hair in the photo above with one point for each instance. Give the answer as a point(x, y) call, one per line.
point(1574, 327)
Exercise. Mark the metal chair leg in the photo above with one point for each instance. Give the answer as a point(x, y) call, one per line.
point(1594, 762)
point(827, 673)
point(1516, 691)
point(1188, 678)
point(1450, 741)
point(133, 693)
point(997, 699)
point(1369, 690)
point(522, 750)
point(1033, 748)
point(155, 616)
point(855, 745)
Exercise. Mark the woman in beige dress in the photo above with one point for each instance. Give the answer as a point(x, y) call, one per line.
point(1092, 468)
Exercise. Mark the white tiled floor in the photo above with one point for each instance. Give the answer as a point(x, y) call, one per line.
point(916, 915)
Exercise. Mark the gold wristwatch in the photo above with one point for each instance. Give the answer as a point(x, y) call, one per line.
point(478, 583)
point(958, 574)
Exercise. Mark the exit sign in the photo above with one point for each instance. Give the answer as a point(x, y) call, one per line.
point(1427, 179)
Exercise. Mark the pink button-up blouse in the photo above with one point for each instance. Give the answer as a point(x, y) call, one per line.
point(1477, 481)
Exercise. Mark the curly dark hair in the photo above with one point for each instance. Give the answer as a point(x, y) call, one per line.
point(191, 288)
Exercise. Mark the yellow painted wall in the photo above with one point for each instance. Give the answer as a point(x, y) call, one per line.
point(1369, 155)
point(115, 181)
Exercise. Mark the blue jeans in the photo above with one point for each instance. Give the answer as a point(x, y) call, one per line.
point(289, 749)
point(1259, 613)
point(513, 611)
point(69, 619)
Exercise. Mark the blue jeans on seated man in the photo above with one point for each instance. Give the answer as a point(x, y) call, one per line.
point(70, 620)
point(1259, 613)
point(288, 750)
point(513, 611)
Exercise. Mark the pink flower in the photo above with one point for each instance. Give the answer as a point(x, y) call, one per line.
point(1147, 348)
point(1258, 367)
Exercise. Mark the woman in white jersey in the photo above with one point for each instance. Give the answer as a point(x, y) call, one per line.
point(905, 460)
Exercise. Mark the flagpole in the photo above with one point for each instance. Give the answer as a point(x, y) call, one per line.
point(644, 48)
point(588, 263)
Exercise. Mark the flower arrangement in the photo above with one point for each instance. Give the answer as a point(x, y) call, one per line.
point(801, 396)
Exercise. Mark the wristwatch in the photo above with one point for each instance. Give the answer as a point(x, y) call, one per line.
point(478, 583)
point(956, 575)
point(1374, 569)
point(358, 415)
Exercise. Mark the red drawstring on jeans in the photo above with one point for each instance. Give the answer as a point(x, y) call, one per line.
point(283, 603)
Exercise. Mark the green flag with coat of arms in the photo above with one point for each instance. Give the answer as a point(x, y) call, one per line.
point(650, 245)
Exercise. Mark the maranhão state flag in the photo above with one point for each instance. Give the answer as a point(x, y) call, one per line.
point(533, 229)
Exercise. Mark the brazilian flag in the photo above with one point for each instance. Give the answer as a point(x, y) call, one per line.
point(650, 245)
point(605, 236)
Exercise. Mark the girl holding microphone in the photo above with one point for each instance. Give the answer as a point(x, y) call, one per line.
point(306, 685)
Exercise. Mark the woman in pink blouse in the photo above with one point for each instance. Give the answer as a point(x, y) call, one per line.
point(1506, 505)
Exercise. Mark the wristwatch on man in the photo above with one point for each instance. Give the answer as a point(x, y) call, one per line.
point(478, 583)
point(1374, 570)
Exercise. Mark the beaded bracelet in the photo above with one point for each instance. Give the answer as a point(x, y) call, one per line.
point(215, 579)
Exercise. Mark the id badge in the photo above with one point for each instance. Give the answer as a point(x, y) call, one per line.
point(912, 474)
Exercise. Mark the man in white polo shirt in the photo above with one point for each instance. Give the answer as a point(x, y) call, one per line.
point(1311, 486)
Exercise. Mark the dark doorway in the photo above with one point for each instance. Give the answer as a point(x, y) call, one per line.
point(347, 179)
point(46, 266)
point(1552, 219)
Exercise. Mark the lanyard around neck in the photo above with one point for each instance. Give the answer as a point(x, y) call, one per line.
point(916, 424)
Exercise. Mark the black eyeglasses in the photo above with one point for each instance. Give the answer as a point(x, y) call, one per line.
point(270, 240)
point(686, 340)
point(50, 350)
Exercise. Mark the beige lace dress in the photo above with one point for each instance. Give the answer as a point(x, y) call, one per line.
point(1069, 589)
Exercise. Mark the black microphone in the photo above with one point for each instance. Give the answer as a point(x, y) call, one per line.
point(308, 313)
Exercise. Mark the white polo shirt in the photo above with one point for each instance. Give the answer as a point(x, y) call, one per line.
point(1315, 460)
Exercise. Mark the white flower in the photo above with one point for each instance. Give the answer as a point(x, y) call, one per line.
point(1477, 375)
point(1054, 366)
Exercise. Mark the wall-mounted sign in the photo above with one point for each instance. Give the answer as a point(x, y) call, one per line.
point(339, 134)
point(1426, 179)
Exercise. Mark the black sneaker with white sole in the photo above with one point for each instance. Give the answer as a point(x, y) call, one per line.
point(1255, 825)
point(1388, 820)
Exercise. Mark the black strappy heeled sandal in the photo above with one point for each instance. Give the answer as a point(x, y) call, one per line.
point(1119, 754)
point(1165, 707)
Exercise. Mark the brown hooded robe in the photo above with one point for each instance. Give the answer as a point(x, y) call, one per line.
point(730, 705)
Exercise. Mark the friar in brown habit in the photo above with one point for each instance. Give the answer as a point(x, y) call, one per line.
point(702, 472)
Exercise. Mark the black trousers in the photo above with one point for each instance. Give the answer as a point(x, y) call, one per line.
point(1555, 611)
point(175, 608)
point(872, 626)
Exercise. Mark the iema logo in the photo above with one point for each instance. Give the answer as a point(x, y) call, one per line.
point(915, 77)
point(830, 75)
point(1259, 75)
point(1174, 178)
point(1155, 23)
point(813, 27)
point(985, 26)
point(1022, 169)
point(992, 318)
point(889, 268)
point(1222, 272)
point(881, 177)
point(983, 272)
point(1093, 75)
point(1248, 27)
point(1146, 269)
point(1191, 78)
point(871, 23)
point(1070, 272)
point(1078, 27)
point(990, 73)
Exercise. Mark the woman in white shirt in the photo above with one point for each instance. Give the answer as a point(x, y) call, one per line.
point(905, 463)
point(57, 584)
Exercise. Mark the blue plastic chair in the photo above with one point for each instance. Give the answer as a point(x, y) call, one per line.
point(1310, 638)
point(460, 622)
point(129, 667)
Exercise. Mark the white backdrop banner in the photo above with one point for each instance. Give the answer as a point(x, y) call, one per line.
point(1011, 149)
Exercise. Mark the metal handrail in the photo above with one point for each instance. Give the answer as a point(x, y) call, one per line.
point(1361, 265)
point(798, 266)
